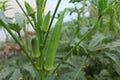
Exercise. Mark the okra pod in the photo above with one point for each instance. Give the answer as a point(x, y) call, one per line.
point(52, 45)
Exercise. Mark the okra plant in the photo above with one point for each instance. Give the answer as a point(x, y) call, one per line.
point(42, 53)
point(41, 60)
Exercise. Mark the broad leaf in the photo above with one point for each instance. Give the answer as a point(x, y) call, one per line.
point(96, 39)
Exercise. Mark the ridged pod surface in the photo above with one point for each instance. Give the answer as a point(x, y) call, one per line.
point(52, 45)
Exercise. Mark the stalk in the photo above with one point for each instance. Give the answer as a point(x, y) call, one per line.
point(40, 10)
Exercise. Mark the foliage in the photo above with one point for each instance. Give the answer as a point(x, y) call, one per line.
point(101, 49)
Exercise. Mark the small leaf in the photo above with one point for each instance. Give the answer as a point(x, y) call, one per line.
point(29, 9)
point(15, 27)
point(52, 46)
point(46, 22)
point(35, 47)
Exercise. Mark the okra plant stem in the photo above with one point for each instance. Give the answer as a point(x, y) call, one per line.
point(40, 7)
point(39, 12)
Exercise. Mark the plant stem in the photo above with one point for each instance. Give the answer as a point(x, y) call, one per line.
point(55, 11)
point(39, 12)
point(40, 38)
point(41, 69)
point(69, 53)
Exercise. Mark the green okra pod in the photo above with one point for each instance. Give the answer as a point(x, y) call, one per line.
point(52, 45)
point(46, 22)
point(35, 47)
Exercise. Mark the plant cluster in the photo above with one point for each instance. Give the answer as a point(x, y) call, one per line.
point(88, 48)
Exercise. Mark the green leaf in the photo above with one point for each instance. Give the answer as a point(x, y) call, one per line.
point(9, 75)
point(15, 27)
point(46, 22)
point(116, 59)
point(16, 75)
point(102, 4)
point(5, 72)
point(52, 46)
point(35, 47)
point(29, 9)
point(96, 39)
point(113, 44)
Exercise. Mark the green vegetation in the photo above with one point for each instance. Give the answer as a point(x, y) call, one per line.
point(85, 48)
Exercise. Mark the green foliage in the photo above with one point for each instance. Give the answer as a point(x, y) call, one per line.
point(101, 48)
